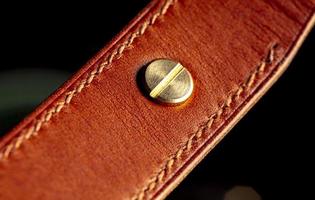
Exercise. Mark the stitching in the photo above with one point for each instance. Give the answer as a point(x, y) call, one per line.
point(208, 124)
point(29, 132)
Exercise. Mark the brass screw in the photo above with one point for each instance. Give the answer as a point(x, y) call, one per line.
point(168, 81)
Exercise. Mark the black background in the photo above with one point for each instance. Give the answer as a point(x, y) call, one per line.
point(270, 150)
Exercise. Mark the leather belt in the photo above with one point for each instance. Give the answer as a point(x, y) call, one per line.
point(100, 137)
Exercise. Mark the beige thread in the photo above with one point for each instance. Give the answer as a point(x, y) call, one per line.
point(245, 86)
point(31, 131)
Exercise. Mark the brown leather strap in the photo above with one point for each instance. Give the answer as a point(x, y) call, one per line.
point(99, 137)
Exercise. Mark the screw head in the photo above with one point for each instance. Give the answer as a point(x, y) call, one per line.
point(168, 81)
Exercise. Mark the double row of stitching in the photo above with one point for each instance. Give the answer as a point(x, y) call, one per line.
point(32, 130)
point(163, 173)
point(206, 126)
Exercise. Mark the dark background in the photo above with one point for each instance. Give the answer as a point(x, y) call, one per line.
point(268, 154)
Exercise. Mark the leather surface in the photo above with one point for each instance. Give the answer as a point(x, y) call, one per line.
point(99, 137)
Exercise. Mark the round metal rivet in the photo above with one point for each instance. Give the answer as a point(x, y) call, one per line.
point(168, 81)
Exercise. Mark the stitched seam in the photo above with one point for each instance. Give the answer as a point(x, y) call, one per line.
point(29, 132)
point(223, 110)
